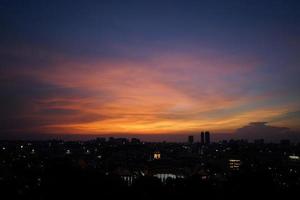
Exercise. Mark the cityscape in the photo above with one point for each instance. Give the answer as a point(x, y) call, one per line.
point(149, 99)
point(130, 168)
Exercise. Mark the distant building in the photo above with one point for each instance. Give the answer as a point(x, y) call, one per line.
point(202, 138)
point(234, 164)
point(190, 139)
point(207, 137)
point(259, 141)
point(135, 141)
point(285, 142)
point(100, 140)
point(118, 141)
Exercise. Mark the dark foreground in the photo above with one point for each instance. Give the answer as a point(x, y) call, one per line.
point(121, 169)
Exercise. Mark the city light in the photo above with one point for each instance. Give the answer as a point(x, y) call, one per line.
point(234, 164)
point(156, 155)
point(293, 157)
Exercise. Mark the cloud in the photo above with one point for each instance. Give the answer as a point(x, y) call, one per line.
point(261, 130)
point(166, 93)
point(32, 104)
point(288, 115)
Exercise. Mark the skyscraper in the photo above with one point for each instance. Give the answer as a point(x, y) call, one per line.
point(190, 139)
point(207, 137)
point(202, 138)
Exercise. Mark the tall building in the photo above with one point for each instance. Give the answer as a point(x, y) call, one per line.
point(190, 139)
point(207, 137)
point(202, 138)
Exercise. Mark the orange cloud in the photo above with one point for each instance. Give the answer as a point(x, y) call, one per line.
point(163, 95)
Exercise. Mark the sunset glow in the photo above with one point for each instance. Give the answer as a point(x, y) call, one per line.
point(90, 81)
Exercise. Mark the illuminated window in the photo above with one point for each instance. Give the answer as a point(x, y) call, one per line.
point(234, 164)
point(156, 155)
point(293, 157)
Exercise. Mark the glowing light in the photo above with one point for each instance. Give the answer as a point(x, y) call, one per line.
point(68, 152)
point(234, 164)
point(293, 157)
point(156, 155)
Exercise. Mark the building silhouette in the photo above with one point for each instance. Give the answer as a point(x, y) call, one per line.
point(190, 139)
point(207, 137)
point(202, 138)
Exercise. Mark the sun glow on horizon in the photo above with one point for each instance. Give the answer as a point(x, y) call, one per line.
point(137, 98)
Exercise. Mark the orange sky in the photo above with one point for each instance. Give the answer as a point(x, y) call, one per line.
point(166, 94)
point(148, 67)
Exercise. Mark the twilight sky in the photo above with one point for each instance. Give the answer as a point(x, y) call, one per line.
point(102, 67)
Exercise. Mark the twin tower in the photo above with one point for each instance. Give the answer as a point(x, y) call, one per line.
point(205, 138)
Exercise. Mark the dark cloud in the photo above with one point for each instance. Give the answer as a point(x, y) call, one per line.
point(59, 111)
point(261, 130)
point(24, 105)
point(40, 121)
point(20, 95)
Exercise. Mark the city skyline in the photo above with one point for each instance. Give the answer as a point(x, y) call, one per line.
point(149, 67)
point(149, 99)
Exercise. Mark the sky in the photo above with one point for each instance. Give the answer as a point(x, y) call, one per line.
point(148, 67)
